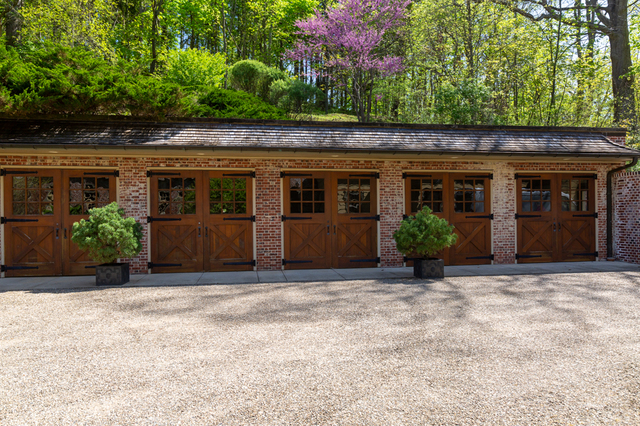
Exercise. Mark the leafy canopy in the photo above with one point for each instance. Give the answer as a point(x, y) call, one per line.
point(194, 68)
point(424, 234)
point(108, 235)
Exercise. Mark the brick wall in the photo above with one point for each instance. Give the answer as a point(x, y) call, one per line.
point(620, 140)
point(627, 217)
point(132, 194)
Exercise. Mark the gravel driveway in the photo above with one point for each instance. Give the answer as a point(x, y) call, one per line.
point(513, 350)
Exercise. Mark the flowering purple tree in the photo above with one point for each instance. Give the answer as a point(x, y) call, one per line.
point(354, 43)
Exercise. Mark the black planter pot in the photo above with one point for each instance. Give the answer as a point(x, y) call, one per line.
point(428, 268)
point(112, 274)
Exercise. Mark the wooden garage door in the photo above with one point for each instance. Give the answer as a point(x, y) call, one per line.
point(201, 221)
point(41, 207)
point(464, 199)
point(556, 217)
point(330, 220)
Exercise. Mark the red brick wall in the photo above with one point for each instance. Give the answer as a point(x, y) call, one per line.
point(620, 140)
point(132, 194)
point(627, 217)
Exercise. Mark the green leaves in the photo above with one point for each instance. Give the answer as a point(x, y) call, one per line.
point(194, 68)
point(236, 104)
point(108, 235)
point(424, 234)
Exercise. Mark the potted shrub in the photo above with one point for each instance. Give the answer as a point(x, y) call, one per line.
point(107, 236)
point(425, 235)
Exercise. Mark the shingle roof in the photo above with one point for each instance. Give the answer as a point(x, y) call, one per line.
point(312, 137)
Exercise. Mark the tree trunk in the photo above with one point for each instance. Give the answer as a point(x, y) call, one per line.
point(622, 79)
point(13, 22)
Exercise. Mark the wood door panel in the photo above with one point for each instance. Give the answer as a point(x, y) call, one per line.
point(229, 245)
point(355, 242)
point(536, 238)
point(577, 240)
point(474, 243)
point(308, 244)
point(180, 245)
point(34, 248)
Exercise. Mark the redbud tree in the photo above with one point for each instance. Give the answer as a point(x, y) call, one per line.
point(355, 44)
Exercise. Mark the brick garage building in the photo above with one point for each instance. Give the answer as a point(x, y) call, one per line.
point(238, 195)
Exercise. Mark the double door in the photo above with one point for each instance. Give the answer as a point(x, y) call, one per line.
point(201, 221)
point(40, 208)
point(556, 217)
point(330, 220)
point(464, 199)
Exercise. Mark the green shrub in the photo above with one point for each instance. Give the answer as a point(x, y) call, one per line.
point(294, 96)
point(194, 68)
point(234, 104)
point(254, 77)
point(424, 234)
point(108, 235)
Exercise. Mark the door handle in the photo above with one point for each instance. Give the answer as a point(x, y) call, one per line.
point(199, 232)
point(334, 229)
point(554, 227)
point(57, 233)
point(328, 230)
point(65, 233)
point(206, 231)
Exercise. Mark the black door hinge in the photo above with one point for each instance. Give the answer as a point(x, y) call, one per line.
point(10, 219)
point(526, 256)
point(587, 176)
point(482, 257)
point(251, 218)
point(286, 262)
point(489, 176)
point(373, 175)
point(295, 217)
point(5, 268)
point(374, 260)
point(404, 216)
point(115, 173)
point(594, 215)
point(518, 216)
point(163, 219)
point(519, 176)
point(251, 262)
point(152, 265)
point(285, 174)
point(585, 254)
point(407, 175)
point(376, 217)
point(5, 172)
point(486, 216)
point(247, 174)
point(152, 173)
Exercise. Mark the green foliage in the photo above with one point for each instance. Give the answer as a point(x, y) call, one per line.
point(108, 235)
point(254, 77)
point(194, 68)
point(466, 103)
point(424, 234)
point(236, 104)
point(294, 96)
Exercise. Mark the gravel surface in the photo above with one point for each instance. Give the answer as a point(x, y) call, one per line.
point(513, 350)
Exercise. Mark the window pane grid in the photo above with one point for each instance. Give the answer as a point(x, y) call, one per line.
point(536, 195)
point(306, 195)
point(426, 192)
point(468, 196)
point(32, 195)
point(575, 195)
point(87, 193)
point(176, 196)
point(227, 195)
point(354, 196)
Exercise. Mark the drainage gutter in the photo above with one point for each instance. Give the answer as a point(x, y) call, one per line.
point(610, 174)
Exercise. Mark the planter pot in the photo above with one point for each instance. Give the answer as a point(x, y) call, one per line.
point(428, 268)
point(112, 274)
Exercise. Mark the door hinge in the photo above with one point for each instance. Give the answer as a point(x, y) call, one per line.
point(489, 176)
point(295, 217)
point(10, 219)
point(373, 175)
point(252, 263)
point(374, 260)
point(407, 175)
point(152, 265)
point(526, 256)
point(518, 216)
point(152, 173)
point(585, 254)
point(285, 174)
point(5, 172)
point(482, 257)
point(594, 215)
point(286, 262)
point(404, 216)
point(519, 176)
point(587, 176)
point(251, 218)
point(247, 174)
point(5, 268)
point(487, 216)
point(115, 173)
point(376, 217)
point(162, 219)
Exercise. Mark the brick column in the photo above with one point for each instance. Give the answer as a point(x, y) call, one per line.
point(391, 201)
point(268, 217)
point(503, 201)
point(132, 197)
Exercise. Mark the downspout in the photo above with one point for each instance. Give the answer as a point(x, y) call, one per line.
point(610, 174)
